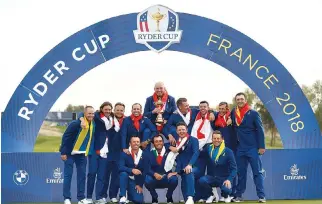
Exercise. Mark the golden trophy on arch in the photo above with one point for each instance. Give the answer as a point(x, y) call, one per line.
point(158, 17)
point(159, 121)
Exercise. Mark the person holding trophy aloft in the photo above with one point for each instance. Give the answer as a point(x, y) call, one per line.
point(159, 106)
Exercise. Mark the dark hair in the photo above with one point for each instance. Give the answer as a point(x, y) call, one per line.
point(180, 101)
point(119, 104)
point(137, 104)
point(217, 132)
point(240, 94)
point(106, 103)
point(135, 136)
point(156, 136)
point(181, 124)
point(223, 103)
point(204, 102)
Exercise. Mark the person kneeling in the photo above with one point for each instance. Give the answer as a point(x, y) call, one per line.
point(132, 172)
point(222, 166)
point(157, 176)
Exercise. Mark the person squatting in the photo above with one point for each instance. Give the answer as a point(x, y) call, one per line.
point(207, 149)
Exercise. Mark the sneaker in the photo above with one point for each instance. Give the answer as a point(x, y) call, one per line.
point(89, 200)
point(190, 200)
point(123, 200)
point(67, 201)
point(114, 200)
point(210, 199)
point(127, 201)
point(222, 199)
point(262, 200)
point(237, 200)
point(227, 200)
point(169, 201)
point(155, 201)
point(215, 194)
point(85, 201)
point(100, 201)
point(201, 201)
point(181, 201)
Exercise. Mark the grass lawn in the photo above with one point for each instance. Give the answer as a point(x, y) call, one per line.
point(47, 144)
point(269, 201)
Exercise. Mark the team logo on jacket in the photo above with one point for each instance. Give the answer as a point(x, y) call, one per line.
point(157, 28)
point(21, 177)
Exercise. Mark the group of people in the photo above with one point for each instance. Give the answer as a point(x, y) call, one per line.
point(207, 149)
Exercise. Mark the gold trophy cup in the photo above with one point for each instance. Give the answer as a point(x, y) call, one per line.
point(158, 17)
point(159, 120)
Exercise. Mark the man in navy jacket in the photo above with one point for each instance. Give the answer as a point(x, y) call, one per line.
point(75, 147)
point(137, 124)
point(113, 156)
point(182, 114)
point(251, 145)
point(152, 109)
point(223, 123)
point(97, 163)
point(186, 154)
point(133, 167)
point(223, 167)
point(157, 176)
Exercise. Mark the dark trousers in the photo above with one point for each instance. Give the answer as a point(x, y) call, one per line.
point(96, 171)
point(80, 161)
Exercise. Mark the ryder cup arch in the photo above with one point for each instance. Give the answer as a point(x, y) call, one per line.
point(202, 37)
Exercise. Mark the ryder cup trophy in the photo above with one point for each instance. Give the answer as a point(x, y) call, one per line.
point(158, 17)
point(159, 120)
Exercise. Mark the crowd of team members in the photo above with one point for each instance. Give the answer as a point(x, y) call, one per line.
point(206, 149)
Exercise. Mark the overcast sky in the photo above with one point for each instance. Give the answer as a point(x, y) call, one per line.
point(290, 30)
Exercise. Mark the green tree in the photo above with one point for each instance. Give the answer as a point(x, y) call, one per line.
point(268, 121)
point(314, 95)
point(72, 108)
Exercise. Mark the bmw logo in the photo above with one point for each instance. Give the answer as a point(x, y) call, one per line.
point(21, 177)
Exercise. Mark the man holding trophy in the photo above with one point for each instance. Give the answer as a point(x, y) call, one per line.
point(159, 106)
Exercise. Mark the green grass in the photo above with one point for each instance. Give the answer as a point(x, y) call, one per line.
point(269, 201)
point(47, 144)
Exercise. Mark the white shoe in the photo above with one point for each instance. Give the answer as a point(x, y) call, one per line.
point(190, 200)
point(215, 193)
point(127, 201)
point(210, 199)
point(222, 200)
point(104, 199)
point(114, 200)
point(85, 201)
point(262, 200)
point(123, 200)
point(228, 199)
point(201, 201)
point(100, 201)
point(181, 201)
point(67, 201)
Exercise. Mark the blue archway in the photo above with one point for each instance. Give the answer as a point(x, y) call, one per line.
point(202, 37)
